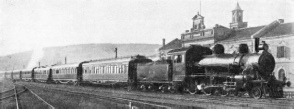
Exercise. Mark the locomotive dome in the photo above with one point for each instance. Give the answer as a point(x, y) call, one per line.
point(218, 49)
point(243, 48)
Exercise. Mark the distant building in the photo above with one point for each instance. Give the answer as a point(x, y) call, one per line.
point(280, 40)
point(237, 18)
point(201, 36)
point(174, 44)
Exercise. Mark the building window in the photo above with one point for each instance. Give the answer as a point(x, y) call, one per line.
point(281, 75)
point(283, 52)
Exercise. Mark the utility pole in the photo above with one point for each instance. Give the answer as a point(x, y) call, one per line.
point(115, 50)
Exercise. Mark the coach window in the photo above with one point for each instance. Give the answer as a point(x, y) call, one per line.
point(115, 69)
point(105, 69)
point(98, 70)
point(109, 71)
point(127, 66)
point(123, 68)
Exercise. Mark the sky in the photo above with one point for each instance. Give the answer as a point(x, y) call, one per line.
point(34, 24)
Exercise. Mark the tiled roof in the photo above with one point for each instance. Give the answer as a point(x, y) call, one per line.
point(174, 44)
point(243, 34)
point(179, 50)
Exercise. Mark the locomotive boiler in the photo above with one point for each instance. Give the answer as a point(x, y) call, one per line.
point(243, 72)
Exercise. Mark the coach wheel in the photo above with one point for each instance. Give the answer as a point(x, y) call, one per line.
point(143, 88)
point(192, 89)
point(76, 83)
point(171, 89)
point(256, 92)
point(150, 87)
point(163, 88)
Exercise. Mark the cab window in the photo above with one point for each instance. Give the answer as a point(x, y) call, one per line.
point(178, 59)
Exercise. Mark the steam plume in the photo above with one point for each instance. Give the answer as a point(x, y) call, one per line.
point(36, 57)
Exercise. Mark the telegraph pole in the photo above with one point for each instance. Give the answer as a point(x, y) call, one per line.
point(115, 50)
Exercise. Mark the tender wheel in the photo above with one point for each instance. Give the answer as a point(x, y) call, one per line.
point(216, 92)
point(225, 93)
point(256, 93)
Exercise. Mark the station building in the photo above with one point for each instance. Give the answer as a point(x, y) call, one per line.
point(279, 39)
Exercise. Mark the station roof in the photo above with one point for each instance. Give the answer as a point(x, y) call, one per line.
point(174, 44)
point(245, 33)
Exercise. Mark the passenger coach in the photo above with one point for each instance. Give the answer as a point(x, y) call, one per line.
point(66, 73)
point(112, 71)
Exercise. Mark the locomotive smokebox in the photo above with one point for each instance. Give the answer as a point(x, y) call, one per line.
point(218, 49)
point(243, 48)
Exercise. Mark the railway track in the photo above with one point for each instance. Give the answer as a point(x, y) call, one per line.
point(23, 97)
point(128, 102)
point(229, 101)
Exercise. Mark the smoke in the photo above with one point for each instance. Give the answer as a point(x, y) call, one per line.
point(37, 55)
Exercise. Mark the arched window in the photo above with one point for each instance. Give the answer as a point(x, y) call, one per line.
point(281, 75)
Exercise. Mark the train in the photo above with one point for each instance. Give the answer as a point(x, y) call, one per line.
point(195, 70)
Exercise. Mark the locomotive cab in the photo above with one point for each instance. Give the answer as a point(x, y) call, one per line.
point(185, 74)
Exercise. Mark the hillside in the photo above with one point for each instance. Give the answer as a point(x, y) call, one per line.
point(74, 53)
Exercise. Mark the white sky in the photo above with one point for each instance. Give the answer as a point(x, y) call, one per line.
point(30, 24)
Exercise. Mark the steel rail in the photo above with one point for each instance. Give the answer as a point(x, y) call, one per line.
point(11, 95)
point(234, 101)
point(7, 91)
point(115, 98)
point(16, 99)
point(52, 107)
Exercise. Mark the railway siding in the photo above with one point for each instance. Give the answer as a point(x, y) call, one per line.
point(21, 98)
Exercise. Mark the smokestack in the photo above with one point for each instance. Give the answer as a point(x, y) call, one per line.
point(39, 64)
point(256, 36)
point(65, 60)
point(163, 42)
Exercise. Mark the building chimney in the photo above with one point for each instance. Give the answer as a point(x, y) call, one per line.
point(65, 60)
point(163, 42)
point(39, 64)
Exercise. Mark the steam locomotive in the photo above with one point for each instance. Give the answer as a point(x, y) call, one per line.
point(195, 69)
